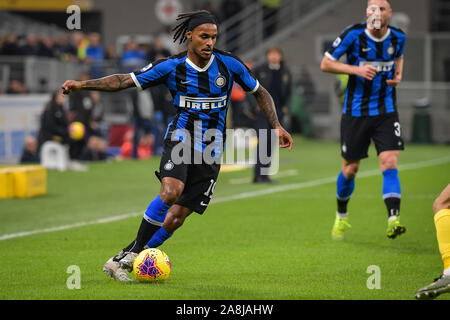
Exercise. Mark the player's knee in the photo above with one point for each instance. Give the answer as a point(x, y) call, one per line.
point(169, 194)
point(350, 170)
point(388, 161)
point(440, 203)
point(436, 205)
point(389, 164)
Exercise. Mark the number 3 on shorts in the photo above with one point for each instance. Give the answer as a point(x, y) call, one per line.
point(397, 129)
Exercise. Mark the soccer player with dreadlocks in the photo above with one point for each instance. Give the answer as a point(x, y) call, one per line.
point(200, 81)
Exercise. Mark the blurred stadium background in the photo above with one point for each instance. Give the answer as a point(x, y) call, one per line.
point(228, 254)
point(38, 52)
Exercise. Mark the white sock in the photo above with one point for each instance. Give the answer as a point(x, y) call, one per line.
point(342, 215)
point(392, 218)
point(447, 272)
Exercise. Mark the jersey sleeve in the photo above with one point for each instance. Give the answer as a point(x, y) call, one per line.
point(243, 76)
point(401, 48)
point(152, 74)
point(341, 44)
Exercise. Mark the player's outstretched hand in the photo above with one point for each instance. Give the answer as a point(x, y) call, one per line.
point(367, 72)
point(71, 86)
point(285, 138)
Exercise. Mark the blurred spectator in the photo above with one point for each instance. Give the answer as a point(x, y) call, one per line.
point(80, 42)
point(94, 51)
point(11, 46)
point(64, 49)
point(110, 53)
point(29, 153)
point(270, 16)
point(16, 87)
point(145, 146)
point(32, 46)
point(163, 104)
point(275, 76)
point(95, 149)
point(243, 115)
point(164, 112)
point(146, 143)
point(53, 121)
point(229, 8)
point(95, 54)
point(82, 105)
point(132, 58)
point(158, 49)
point(46, 47)
point(85, 107)
point(72, 47)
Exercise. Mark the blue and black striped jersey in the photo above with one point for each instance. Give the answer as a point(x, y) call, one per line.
point(201, 95)
point(364, 97)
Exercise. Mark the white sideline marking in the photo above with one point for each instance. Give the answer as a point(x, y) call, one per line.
point(407, 196)
point(69, 226)
point(287, 173)
point(245, 195)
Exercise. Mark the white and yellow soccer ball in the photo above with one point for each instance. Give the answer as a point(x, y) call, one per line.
point(77, 130)
point(152, 265)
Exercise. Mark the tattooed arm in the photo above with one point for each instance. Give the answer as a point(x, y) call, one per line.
point(111, 83)
point(267, 105)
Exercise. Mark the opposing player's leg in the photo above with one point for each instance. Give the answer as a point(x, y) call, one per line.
point(441, 209)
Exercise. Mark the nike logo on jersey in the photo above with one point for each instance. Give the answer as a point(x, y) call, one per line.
point(203, 204)
point(366, 49)
point(185, 82)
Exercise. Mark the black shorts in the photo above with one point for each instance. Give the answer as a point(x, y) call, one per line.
point(356, 133)
point(199, 179)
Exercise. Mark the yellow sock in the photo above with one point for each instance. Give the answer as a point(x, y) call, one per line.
point(442, 223)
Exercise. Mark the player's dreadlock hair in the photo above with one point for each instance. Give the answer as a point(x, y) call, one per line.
point(189, 21)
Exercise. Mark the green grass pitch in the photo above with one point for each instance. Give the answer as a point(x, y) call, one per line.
point(253, 242)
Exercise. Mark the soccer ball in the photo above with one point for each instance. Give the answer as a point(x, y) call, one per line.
point(76, 130)
point(152, 265)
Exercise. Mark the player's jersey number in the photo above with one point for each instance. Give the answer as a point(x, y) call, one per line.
point(210, 190)
point(397, 129)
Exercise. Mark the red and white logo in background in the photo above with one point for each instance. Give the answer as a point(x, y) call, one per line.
point(168, 10)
